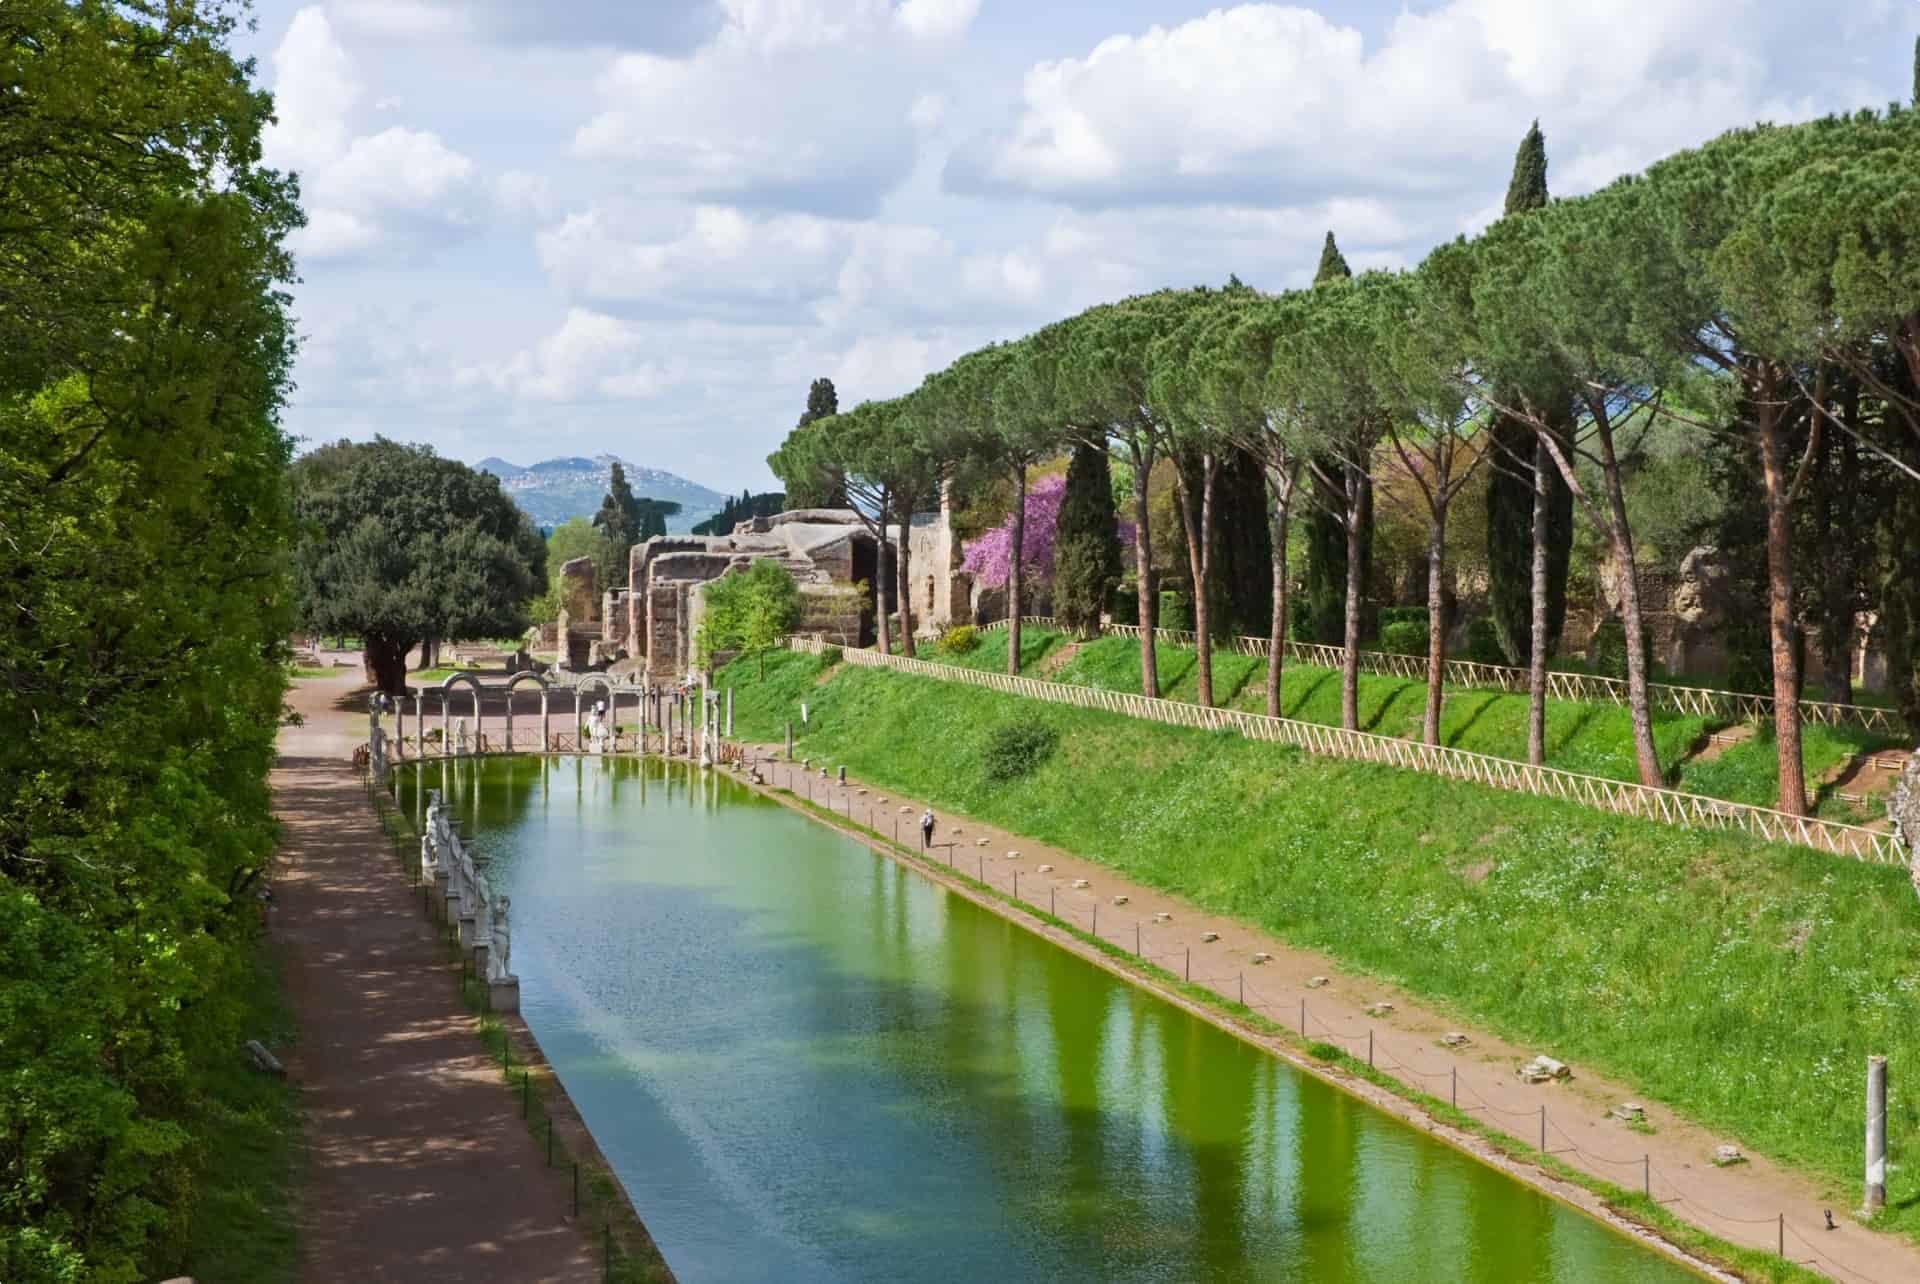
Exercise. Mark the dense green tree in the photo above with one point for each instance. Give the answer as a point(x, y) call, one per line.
point(404, 545)
point(823, 402)
point(1086, 549)
point(618, 526)
point(750, 612)
point(1340, 520)
point(144, 357)
point(743, 509)
point(1520, 467)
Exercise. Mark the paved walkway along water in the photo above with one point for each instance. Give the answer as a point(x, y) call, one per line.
point(1742, 1204)
point(418, 1167)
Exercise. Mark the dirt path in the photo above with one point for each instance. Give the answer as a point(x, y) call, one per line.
point(418, 1166)
point(1742, 1203)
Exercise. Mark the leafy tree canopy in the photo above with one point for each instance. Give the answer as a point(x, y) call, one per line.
point(403, 545)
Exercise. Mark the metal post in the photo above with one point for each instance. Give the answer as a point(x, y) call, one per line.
point(1455, 1073)
point(1096, 918)
point(1016, 884)
point(576, 1188)
point(526, 1092)
point(1243, 989)
point(1876, 1134)
point(1303, 1018)
point(789, 739)
point(1781, 1248)
point(1051, 907)
point(1369, 1047)
point(1186, 969)
point(1136, 938)
point(1543, 1130)
point(1646, 1175)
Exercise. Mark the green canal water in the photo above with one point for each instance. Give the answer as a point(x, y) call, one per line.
point(808, 1063)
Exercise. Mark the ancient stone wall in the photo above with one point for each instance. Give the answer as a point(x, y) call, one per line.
point(832, 611)
point(576, 590)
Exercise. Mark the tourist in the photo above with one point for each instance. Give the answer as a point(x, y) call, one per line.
point(926, 829)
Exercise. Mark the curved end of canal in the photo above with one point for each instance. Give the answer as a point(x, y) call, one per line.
point(806, 1062)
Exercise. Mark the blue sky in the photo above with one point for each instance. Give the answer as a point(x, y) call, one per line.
point(644, 226)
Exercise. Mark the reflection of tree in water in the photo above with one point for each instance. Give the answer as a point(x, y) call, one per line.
point(975, 1102)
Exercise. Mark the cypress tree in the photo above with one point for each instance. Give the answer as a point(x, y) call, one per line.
point(822, 403)
point(1510, 490)
point(1322, 617)
point(1916, 71)
point(1333, 264)
point(1086, 548)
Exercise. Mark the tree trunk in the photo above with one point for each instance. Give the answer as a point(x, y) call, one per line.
point(1199, 563)
point(1356, 587)
point(1015, 556)
point(903, 561)
point(1640, 712)
point(1277, 638)
point(1786, 685)
point(1539, 642)
point(385, 660)
point(1143, 573)
point(1436, 616)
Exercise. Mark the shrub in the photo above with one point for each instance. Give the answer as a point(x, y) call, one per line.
point(960, 639)
point(829, 657)
point(1015, 749)
point(1483, 642)
point(1175, 611)
point(1402, 615)
point(1609, 649)
point(1404, 637)
point(1123, 604)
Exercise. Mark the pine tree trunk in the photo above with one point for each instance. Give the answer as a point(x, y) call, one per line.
point(1356, 586)
point(1540, 643)
point(1786, 685)
point(1199, 565)
point(385, 660)
point(1015, 556)
point(1436, 621)
point(1277, 639)
point(882, 564)
point(1143, 574)
point(1639, 710)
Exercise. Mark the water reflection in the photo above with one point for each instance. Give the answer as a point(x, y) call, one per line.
point(807, 1063)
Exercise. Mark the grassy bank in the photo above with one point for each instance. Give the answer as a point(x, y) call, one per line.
point(242, 1228)
point(1594, 739)
point(1741, 984)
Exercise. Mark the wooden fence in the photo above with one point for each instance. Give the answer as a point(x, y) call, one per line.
point(1698, 702)
point(1686, 811)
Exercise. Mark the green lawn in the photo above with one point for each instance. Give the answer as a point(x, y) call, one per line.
point(1742, 984)
point(242, 1231)
point(991, 653)
point(1594, 739)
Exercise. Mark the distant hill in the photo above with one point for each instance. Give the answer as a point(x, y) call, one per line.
point(553, 490)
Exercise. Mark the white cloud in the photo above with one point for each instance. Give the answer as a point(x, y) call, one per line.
point(1269, 104)
point(706, 255)
point(797, 104)
point(937, 19)
point(360, 191)
point(591, 354)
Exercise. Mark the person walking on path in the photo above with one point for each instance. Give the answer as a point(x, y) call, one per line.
point(926, 829)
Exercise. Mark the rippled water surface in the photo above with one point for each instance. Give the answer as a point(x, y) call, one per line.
point(807, 1063)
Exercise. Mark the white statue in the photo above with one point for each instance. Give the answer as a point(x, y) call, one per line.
point(500, 955)
point(460, 735)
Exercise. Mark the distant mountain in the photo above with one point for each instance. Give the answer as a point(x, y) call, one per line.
point(553, 490)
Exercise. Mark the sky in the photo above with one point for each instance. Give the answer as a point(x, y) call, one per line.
point(643, 227)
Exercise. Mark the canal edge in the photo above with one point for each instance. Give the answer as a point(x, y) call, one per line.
point(1398, 1104)
point(520, 1056)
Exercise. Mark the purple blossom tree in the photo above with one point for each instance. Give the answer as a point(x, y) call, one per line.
point(989, 558)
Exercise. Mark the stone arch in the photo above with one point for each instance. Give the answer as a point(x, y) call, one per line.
point(546, 695)
point(446, 708)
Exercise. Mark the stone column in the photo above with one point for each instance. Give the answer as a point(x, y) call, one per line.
point(729, 713)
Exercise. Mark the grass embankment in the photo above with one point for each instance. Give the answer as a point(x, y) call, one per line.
point(242, 1229)
point(1594, 739)
point(1742, 984)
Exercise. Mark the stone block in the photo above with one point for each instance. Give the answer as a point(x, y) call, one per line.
point(504, 995)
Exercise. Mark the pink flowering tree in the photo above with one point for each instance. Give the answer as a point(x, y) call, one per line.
point(989, 558)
